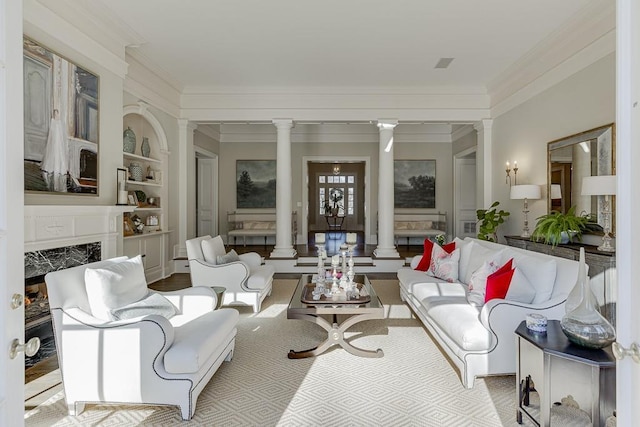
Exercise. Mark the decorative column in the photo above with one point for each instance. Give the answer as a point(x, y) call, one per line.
point(186, 186)
point(484, 167)
point(283, 248)
point(386, 247)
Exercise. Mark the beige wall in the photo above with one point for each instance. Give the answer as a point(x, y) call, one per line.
point(583, 101)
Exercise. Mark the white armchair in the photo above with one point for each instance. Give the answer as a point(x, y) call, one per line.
point(143, 358)
point(246, 280)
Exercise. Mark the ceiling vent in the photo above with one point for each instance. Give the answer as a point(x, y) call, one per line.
point(444, 62)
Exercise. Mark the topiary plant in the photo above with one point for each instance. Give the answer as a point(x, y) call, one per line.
point(554, 226)
point(489, 220)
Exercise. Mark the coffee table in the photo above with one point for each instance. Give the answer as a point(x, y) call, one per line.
point(335, 332)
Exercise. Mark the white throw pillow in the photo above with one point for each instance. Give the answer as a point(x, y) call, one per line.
point(212, 249)
point(520, 289)
point(114, 286)
point(444, 265)
point(473, 256)
point(230, 256)
point(478, 282)
point(153, 303)
point(540, 272)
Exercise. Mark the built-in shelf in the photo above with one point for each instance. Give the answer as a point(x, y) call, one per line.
point(157, 208)
point(141, 158)
point(142, 235)
point(148, 183)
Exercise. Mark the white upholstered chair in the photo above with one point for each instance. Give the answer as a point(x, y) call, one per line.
point(143, 358)
point(246, 280)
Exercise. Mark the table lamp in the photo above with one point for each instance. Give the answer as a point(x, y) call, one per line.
point(603, 185)
point(526, 192)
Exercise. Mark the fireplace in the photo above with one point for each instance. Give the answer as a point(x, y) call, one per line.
point(58, 237)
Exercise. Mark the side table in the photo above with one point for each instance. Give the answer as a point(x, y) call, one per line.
point(219, 290)
point(553, 367)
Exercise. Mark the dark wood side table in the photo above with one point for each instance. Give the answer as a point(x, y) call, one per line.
point(555, 368)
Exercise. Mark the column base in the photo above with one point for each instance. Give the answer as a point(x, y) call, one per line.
point(283, 253)
point(386, 252)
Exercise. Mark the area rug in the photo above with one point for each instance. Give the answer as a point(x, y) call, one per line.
point(412, 385)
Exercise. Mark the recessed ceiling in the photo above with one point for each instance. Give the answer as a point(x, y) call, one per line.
point(337, 43)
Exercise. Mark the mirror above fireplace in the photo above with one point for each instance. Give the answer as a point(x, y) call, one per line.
point(570, 159)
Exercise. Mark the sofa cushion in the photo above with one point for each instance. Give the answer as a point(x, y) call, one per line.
point(153, 303)
point(408, 278)
point(539, 271)
point(425, 261)
point(212, 248)
point(472, 256)
point(446, 305)
point(113, 286)
point(260, 277)
point(195, 342)
point(478, 281)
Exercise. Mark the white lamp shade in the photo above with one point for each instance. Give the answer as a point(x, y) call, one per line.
point(602, 185)
point(556, 191)
point(526, 191)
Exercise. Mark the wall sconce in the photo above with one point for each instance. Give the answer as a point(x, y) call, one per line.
point(336, 169)
point(508, 169)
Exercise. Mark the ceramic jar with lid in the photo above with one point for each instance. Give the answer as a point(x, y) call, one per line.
point(136, 171)
point(129, 141)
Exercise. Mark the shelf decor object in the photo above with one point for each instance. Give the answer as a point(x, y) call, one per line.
point(584, 325)
point(136, 171)
point(602, 185)
point(145, 148)
point(526, 192)
point(121, 180)
point(129, 141)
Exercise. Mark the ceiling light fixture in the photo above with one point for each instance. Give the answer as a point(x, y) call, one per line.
point(336, 169)
point(444, 62)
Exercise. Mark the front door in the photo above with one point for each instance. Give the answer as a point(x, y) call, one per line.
point(465, 197)
point(11, 213)
point(205, 200)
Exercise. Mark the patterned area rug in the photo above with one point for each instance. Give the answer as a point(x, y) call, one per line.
point(412, 385)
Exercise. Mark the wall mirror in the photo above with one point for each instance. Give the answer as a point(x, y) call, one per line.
point(574, 157)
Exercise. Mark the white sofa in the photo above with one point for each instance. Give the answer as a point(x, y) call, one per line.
point(480, 341)
point(145, 359)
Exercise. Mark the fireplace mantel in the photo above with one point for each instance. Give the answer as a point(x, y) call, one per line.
point(49, 226)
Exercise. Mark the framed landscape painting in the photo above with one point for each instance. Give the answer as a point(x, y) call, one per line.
point(61, 129)
point(256, 183)
point(414, 183)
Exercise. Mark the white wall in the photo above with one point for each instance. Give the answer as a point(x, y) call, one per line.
point(583, 101)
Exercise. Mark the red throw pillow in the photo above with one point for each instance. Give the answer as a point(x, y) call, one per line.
point(449, 247)
point(425, 262)
point(498, 283)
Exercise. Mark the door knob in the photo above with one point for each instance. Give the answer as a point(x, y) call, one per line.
point(30, 348)
point(620, 352)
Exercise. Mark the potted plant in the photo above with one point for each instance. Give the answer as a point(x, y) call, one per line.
point(489, 220)
point(558, 228)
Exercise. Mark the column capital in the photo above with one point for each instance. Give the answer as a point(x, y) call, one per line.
point(283, 123)
point(484, 124)
point(186, 124)
point(385, 124)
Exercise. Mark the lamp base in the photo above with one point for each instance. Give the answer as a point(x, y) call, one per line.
point(606, 243)
point(525, 233)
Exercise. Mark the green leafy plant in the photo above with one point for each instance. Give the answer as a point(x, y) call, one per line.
point(551, 227)
point(489, 220)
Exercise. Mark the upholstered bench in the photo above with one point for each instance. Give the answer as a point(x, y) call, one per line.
point(419, 225)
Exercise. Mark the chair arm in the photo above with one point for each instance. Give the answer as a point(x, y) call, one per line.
point(253, 259)
point(97, 356)
point(193, 301)
point(232, 276)
point(502, 317)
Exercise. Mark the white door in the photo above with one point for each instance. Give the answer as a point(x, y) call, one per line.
point(11, 212)
point(206, 197)
point(465, 197)
point(627, 208)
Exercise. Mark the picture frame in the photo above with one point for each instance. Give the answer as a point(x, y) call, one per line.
point(255, 184)
point(414, 184)
point(61, 123)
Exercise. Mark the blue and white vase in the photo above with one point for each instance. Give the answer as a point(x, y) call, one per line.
point(129, 141)
point(145, 148)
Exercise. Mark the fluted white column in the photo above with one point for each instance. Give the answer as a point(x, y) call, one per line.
point(283, 248)
point(484, 168)
point(386, 247)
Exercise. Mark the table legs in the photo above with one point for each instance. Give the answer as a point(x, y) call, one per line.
point(335, 336)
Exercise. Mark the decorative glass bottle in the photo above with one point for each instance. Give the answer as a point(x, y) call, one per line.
point(584, 325)
point(145, 148)
point(575, 296)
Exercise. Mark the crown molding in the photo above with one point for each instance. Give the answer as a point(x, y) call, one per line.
point(594, 22)
point(145, 84)
point(208, 130)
